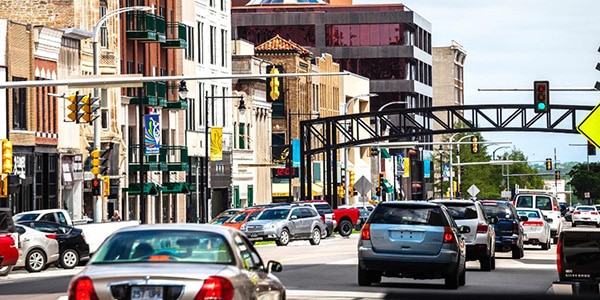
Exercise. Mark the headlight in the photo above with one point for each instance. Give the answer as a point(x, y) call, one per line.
point(270, 226)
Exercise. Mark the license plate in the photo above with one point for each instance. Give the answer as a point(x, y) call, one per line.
point(253, 235)
point(147, 292)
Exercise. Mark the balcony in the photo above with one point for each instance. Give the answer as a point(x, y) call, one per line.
point(179, 103)
point(150, 162)
point(150, 188)
point(176, 36)
point(155, 94)
point(145, 27)
point(175, 158)
point(175, 188)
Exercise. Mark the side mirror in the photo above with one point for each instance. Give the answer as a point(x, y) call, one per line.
point(274, 266)
point(294, 217)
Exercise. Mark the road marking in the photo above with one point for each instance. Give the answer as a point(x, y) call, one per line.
point(315, 294)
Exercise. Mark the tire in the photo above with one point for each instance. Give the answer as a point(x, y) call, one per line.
point(486, 263)
point(452, 281)
point(546, 245)
point(494, 262)
point(315, 238)
point(5, 270)
point(597, 225)
point(69, 259)
point(573, 224)
point(345, 228)
point(284, 238)
point(462, 278)
point(516, 252)
point(35, 261)
point(366, 278)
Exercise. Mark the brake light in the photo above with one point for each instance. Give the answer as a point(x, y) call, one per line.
point(82, 289)
point(51, 236)
point(554, 206)
point(365, 232)
point(516, 228)
point(215, 288)
point(482, 228)
point(448, 235)
point(534, 223)
point(559, 250)
point(576, 212)
point(594, 213)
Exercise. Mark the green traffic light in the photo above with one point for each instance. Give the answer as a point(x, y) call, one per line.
point(541, 106)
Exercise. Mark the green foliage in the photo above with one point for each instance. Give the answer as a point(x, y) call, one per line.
point(585, 178)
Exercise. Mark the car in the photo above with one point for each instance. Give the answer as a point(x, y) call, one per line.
point(283, 224)
point(324, 210)
point(547, 203)
point(585, 214)
point(481, 239)
point(37, 250)
point(414, 239)
point(537, 230)
point(9, 251)
point(177, 261)
point(509, 232)
point(364, 214)
point(71, 242)
point(241, 217)
point(224, 216)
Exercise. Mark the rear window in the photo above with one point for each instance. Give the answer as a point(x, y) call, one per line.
point(529, 213)
point(499, 210)
point(323, 208)
point(413, 215)
point(462, 211)
point(525, 201)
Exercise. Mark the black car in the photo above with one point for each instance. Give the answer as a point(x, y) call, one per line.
point(509, 231)
point(71, 241)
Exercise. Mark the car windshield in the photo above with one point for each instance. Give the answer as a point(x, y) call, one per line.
point(239, 217)
point(460, 211)
point(25, 217)
point(500, 211)
point(164, 246)
point(407, 215)
point(273, 214)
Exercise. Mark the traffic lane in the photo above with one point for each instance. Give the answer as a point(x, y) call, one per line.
point(49, 284)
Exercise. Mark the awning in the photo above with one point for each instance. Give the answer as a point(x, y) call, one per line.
point(150, 188)
point(317, 189)
point(175, 188)
point(384, 153)
point(280, 190)
point(387, 187)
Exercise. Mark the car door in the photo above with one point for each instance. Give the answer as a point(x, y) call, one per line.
point(295, 222)
point(266, 285)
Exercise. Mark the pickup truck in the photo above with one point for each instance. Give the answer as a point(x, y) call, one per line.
point(578, 262)
point(344, 219)
point(95, 233)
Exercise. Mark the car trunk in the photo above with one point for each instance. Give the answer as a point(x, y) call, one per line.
point(504, 227)
point(407, 239)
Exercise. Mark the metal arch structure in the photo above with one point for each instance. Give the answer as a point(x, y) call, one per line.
point(323, 135)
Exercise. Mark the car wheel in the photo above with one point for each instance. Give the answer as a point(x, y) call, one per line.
point(462, 279)
point(345, 228)
point(316, 236)
point(494, 262)
point(35, 261)
point(365, 278)
point(284, 238)
point(516, 252)
point(573, 224)
point(452, 281)
point(5, 270)
point(69, 259)
point(486, 263)
point(597, 225)
point(546, 245)
point(328, 232)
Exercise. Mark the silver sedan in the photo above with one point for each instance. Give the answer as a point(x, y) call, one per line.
point(37, 249)
point(177, 261)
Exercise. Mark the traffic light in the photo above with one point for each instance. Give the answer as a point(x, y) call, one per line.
point(557, 175)
point(105, 186)
point(74, 107)
point(95, 162)
point(96, 187)
point(350, 182)
point(591, 149)
point(90, 106)
point(380, 179)
point(541, 96)
point(274, 84)
point(3, 186)
point(461, 169)
point(7, 157)
point(548, 163)
point(340, 191)
point(474, 144)
point(373, 151)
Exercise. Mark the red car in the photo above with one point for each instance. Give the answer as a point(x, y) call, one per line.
point(9, 252)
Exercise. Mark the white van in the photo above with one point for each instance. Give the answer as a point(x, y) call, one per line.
point(548, 204)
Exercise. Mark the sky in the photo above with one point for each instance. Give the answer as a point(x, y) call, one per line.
point(510, 44)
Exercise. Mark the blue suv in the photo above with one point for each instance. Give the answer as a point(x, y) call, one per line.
point(502, 215)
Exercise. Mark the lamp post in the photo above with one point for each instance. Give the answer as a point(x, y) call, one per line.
point(344, 112)
point(441, 175)
point(242, 110)
point(95, 71)
point(289, 161)
point(378, 127)
point(459, 165)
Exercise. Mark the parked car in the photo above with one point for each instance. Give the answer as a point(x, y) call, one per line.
point(585, 214)
point(364, 213)
point(283, 224)
point(241, 217)
point(9, 251)
point(177, 261)
point(537, 230)
point(481, 239)
point(224, 216)
point(71, 242)
point(507, 226)
point(548, 204)
point(37, 250)
point(325, 211)
point(414, 239)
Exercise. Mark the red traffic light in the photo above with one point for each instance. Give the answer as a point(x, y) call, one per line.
point(95, 182)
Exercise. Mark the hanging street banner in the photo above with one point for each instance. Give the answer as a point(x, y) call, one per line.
point(590, 126)
point(399, 165)
point(152, 134)
point(406, 173)
point(216, 144)
point(296, 153)
point(426, 168)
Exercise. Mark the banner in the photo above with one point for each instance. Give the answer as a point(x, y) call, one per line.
point(216, 143)
point(296, 152)
point(426, 168)
point(152, 134)
point(406, 168)
point(399, 165)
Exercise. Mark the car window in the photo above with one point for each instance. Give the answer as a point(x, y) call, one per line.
point(585, 208)
point(543, 203)
point(239, 217)
point(500, 211)
point(323, 208)
point(273, 214)
point(6, 222)
point(408, 215)
point(296, 212)
point(61, 218)
point(529, 213)
point(48, 217)
point(26, 217)
point(525, 201)
point(462, 211)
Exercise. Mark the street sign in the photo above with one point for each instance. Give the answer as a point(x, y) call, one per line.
point(362, 185)
point(589, 126)
point(473, 190)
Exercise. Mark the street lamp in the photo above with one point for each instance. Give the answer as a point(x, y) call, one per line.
point(378, 128)
point(344, 112)
point(95, 71)
point(459, 172)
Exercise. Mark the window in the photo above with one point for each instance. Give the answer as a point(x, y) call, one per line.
point(104, 28)
point(213, 45)
point(190, 49)
point(224, 43)
point(241, 136)
point(200, 41)
point(19, 99)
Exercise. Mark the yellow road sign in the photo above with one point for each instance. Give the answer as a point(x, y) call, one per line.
point(590, 126)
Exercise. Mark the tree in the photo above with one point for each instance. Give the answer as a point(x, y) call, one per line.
point(585, 178)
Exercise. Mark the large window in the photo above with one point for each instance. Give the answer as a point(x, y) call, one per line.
point(376, 68)
point(301, 34)
point(364, 35)
point(213, 45)
point(19, 112)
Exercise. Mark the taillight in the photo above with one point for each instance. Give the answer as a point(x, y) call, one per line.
point(51, 236)
point(516, 228)
point(448, 234)
point(594, 213)
point(534, 223)
point(82, 289)
point(365, 232)
point(215, 288)
point(559, 250)
point(482, 228)
point(577, 212)
point(554, 206)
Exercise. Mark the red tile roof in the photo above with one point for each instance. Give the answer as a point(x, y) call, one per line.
point(278, 44)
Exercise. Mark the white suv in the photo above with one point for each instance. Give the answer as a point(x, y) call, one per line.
point(481, 239)
point(548, 204)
